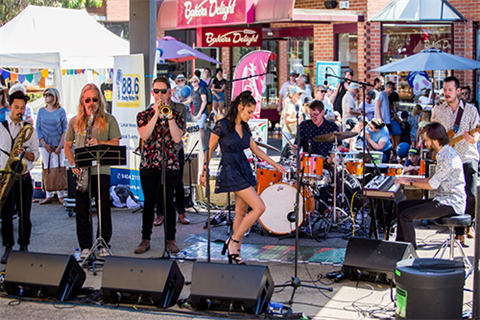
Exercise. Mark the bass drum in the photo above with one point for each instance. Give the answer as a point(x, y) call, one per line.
point(279, 215)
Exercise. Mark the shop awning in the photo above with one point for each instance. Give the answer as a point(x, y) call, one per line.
point(268, 11)
point(418, 10)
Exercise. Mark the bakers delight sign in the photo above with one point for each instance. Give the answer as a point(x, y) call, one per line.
point(198, 13)
point(229, 37)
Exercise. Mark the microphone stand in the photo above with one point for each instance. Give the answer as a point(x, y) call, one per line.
point(189, 160)
point(295, 282)
point(166, 253)
point(207, 184)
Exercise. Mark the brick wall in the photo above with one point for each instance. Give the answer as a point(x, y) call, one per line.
point(227, 61)
point(118, 10)
point(282, 62)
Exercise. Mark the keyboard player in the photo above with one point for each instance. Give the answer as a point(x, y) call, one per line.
point(448, 182)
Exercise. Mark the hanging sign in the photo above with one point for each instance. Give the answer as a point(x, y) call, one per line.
point(198, 13)
point(229, 37)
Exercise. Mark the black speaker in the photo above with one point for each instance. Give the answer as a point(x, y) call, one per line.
point(43, 275)
point(330, 4)
point(221, 286)
point(375, 260)
point(141, 281)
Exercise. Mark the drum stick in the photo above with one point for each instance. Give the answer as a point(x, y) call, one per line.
point(288, 140)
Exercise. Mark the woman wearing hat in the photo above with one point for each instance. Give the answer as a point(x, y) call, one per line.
point(3, 104)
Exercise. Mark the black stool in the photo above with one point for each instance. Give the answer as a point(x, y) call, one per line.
point(451, 222)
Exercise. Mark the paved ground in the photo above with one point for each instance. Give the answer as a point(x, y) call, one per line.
point(54, 232)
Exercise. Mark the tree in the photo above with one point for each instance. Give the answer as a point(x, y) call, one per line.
point(10, 8)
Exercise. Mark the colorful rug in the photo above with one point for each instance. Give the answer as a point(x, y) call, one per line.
point(266, 253)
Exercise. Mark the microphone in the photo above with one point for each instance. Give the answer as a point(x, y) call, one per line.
point(326, 79)
point(88, 130)
point(291, 216)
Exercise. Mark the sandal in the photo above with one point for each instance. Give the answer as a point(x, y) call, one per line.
point(234, 256)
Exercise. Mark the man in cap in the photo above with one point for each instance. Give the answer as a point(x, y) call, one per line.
point(289, 114)
point(349, 104)
point(283, 90)
point(412, 165)
point(198, 98)
point(9, 131)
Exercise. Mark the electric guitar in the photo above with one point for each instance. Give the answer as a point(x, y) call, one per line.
point(457, 139)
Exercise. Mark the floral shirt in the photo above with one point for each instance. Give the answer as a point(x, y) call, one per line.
point(448, 180)
point(152, 147)
point(470, 120)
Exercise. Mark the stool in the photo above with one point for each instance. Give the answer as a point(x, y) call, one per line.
point(451, 222)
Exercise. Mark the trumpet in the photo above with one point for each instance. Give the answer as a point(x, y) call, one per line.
point(165, 110)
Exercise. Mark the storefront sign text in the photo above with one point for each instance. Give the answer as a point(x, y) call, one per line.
point(197, 13)
point(229, 37)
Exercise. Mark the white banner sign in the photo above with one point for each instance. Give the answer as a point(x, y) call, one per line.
point(128, 100)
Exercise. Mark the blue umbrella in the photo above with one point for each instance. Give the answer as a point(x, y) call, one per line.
point(172, 49)
point(430, 59)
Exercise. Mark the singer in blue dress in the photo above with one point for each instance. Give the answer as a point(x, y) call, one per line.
point(235, 174)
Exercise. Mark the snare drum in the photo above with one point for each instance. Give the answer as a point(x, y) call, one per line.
point(266, 176)
point(354, 166)
point(311, 166)
point(279, 215)
point(395, 170)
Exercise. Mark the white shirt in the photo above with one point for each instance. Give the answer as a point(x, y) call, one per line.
point(5, 143)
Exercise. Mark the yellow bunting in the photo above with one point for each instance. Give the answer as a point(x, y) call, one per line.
point(44, 73)
point(64, 72)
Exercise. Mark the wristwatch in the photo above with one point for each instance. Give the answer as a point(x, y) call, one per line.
point(411, 182)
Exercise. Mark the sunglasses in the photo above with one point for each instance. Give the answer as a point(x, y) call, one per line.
point(163, 91)
point(195, 81)
point(322, 91)
point(48, 95)
point(95, 100)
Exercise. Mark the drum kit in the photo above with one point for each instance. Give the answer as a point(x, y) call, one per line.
point(323, 200)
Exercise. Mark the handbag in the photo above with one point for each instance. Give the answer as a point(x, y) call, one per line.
point(54, 179)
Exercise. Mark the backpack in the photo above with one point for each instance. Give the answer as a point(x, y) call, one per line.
point(209, 96)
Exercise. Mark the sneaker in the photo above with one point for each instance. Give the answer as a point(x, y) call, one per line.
point(84, 253)
point(102, 253)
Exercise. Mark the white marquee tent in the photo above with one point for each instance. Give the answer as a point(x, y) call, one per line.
point(58, 38)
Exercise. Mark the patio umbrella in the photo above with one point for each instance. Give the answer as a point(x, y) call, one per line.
point(430, 59)
point(179, 51)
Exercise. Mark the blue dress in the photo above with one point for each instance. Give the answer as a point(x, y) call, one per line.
point(234, 172)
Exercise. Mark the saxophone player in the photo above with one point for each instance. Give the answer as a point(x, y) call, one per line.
point(12, 132)
point(153, 124)
point(104, 130)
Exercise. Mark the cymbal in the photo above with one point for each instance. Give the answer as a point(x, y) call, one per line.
point(264, 145)
point(330, 137)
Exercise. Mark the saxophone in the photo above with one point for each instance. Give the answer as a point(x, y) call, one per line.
point(12, 162)
point(83, 177)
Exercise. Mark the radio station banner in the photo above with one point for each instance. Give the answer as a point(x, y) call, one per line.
point(128, 100)
point(199, 13)
point(229, 37)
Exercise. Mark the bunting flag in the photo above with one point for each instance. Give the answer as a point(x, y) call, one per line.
point(37, 76)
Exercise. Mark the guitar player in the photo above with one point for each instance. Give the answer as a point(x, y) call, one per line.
point(460, 119)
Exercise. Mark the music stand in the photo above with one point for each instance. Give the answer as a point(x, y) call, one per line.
point(96, 156)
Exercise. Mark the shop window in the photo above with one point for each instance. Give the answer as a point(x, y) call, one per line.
point(403, 40)
point(300, 56)
point(347, 51)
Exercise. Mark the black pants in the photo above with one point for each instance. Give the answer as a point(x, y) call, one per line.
point(82, 204)
point(179, 190)
point(152, 188)
point(410, 210)
point(24, 223)
point(470, 170)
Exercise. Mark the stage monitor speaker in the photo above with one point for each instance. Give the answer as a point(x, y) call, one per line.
point(43, 275)
point(221, 286)
point(375, 260)
point(141, 281)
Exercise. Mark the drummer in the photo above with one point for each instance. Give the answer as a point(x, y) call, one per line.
point(314, 127)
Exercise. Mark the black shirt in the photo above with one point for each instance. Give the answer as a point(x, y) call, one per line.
point(309, 130)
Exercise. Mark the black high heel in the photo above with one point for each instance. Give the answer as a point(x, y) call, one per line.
point(232, 256)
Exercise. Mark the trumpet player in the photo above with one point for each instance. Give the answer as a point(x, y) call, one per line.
point(16, 139)
point(160, 126)
point(92, 126)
